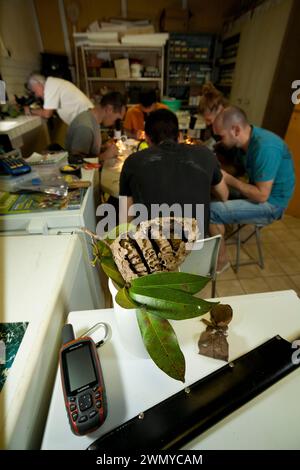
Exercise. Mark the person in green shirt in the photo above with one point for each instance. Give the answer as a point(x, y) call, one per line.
point(270, 169)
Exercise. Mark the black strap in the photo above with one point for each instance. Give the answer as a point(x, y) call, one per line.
point(182, 417)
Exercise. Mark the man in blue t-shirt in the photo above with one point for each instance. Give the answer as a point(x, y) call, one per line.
point(270, 169)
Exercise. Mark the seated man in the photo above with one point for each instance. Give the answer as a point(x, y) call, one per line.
point(136, 116)
point(84, 135)
point(170, 173)
point(270, 170)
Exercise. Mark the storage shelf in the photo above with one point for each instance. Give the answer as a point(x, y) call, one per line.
point(122, 48)
point(227, 63)
point(230, 61)
point(150, 56)
point(192, 61)
point(186, 84)
point(191, 57)
point(141, 79)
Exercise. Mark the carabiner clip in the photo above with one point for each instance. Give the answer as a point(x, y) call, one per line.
point(107, 333)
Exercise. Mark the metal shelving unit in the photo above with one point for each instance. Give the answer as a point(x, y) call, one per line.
point(227, 63)
point(190, 62)
point(88, 76)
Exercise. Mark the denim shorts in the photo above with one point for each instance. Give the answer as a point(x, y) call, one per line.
point(242, 211)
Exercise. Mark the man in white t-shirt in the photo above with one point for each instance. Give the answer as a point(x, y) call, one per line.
point(59, 95)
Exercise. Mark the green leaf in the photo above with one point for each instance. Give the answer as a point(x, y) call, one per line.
point(102, 250)
point(117, 231)
point(191, 283)
point(123, 299)
point(161, 343)
point(111, 270)
point(170, 303)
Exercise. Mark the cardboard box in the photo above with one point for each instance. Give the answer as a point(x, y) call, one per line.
point(107, 73)
point(175, 20)
point(122, 68)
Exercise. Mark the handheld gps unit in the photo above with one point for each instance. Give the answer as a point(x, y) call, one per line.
point(82, 382)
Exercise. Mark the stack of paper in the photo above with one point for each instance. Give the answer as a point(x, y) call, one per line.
point(47, 159)
point(156, 39)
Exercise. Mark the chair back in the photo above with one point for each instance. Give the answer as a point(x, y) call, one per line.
point(202, 260)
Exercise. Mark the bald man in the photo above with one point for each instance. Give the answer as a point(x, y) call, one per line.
point(270, 169)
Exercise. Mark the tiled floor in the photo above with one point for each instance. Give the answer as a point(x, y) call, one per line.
point(281, 249)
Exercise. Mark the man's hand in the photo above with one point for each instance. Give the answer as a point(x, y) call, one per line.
point(140, 135)
point(229, 179)
point(111, 151)
point(258, 192)
point(27, 111)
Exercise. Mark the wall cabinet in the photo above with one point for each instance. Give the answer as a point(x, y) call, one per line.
point(110, 66)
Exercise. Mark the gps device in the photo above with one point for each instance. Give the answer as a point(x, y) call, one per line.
point(82, 382)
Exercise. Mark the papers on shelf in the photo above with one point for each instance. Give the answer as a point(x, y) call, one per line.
point(105, 37)
point(111, 38)
point(49, 158)
point(156, 39)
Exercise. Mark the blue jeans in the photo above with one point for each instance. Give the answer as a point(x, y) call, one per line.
point(242, 211)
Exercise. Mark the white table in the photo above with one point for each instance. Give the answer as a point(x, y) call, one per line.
point(111, 170)
point(42, 278)
point(271, 421)
point(19, 126)
point(29, 132)
point(110, 176)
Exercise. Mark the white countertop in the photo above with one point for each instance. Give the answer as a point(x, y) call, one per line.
point(49, 221)
point(41, 278)
point(110, 176)
point(135, 384)
point(19, 126)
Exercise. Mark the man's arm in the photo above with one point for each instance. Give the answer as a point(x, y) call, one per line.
point(110, 152)
point(221, 190)
point(43, 113)
point(124, 204)
point(258, 192)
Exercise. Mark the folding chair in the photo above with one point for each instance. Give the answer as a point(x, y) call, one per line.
point(239, 242)
point(203, 259)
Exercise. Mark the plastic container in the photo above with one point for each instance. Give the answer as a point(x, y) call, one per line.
point(172, 103)
point(13, 184)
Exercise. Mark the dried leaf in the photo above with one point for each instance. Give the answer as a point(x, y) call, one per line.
point(213, 343)
point(221, 315)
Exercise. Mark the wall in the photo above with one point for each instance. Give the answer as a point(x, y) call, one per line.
point(150, 10)
point(50, 26)
point(207, 16)
point(280, 107)
point(91, 10)
point(292, 138)
point(262, 35)
point(19, 32)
